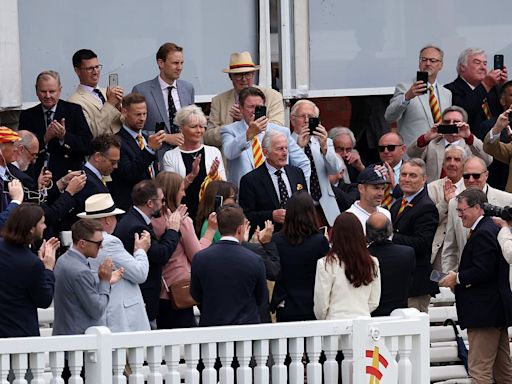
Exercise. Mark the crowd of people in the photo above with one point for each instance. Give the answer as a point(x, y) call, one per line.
point(217, 211)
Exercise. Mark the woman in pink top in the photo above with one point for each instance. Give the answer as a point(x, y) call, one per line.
point(178, 266)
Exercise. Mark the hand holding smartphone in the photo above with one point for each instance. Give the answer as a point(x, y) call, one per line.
point(113, 80)
point(422, 76)
point(260, 111)
point(499, 61)
point(313, 124)
point(437, 276)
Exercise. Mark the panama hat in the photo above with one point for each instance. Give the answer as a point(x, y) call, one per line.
point(100, 205)
point(241, 62)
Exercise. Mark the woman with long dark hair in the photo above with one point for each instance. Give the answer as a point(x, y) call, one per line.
point(347, 282)
point(300, 245)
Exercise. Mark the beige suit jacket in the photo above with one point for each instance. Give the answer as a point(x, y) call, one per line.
point(102, 119)
point(501, 152)
point(436, 194)
point(433, 154)
point(457, 235)
point(221, 105)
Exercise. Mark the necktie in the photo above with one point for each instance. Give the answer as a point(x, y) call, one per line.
point(434, 105)
point(257, 153)
point(283, 192)
point(100, 95)
point(172, 110)
point(104, 180)
point(140, 141)
point(402, 207)
point(49, 118)
point(486, 109)
point(470, 233)
point(387, 201)
point(316, 193)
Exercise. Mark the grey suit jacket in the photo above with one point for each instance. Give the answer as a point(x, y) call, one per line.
point(433, 154)
point(239, 156)
point(102, 119)
point(415, 117)
point(457, 235)
point(80, 298)
point(126, 311)
point(157, 106)
point(329, 164)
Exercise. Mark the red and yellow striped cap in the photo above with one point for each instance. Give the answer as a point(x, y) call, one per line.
point(7, 135)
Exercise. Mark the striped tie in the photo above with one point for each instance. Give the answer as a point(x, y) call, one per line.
point(434, 105)
point(388, 199)
point(486, 109)
point(257, 152)
point(140, 141)
point(402, 207)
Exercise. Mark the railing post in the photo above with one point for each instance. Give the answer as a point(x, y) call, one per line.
point(98, 363)
point(360, 329)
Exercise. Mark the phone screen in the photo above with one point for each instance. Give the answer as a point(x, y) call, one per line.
point(447, 129)
point(422, 76)
point(313, 124)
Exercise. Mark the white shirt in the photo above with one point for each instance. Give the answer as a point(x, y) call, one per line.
point(364, 215)
point(91, 91)
point(284, 176)
point(165, 93)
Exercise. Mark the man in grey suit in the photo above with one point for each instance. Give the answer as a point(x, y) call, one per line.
point(320, 151)
point(241, 140)
point(81, 296)
point(125, 310)
point(166, 94)
point(416, 106)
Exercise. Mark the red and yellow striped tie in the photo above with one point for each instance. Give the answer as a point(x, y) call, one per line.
point(434, 105)
point(388, 199)
point(486, 109)
point(402, 206)
point(142, 146)
point(257, 153)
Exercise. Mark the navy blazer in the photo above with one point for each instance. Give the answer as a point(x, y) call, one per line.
point(396, 264)
point(132, 168)
point(25, 285)
point(228, 280)
point(77, 141)
point(258, 197)
point(472, 100)
point(416, 227)
point(158, 255)
point(483, 296)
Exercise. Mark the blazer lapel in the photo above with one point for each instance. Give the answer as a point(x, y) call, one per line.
point(90, 99)
point(158, 97)
point(426, 108)
point(269, 185)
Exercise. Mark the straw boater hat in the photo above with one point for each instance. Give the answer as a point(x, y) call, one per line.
point(241, 62)
point(99, 205)
point(7, 135)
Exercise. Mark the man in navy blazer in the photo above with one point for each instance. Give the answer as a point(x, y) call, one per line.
point(262, 196)
point(482, 292)
point(138, 153)
point(156, 91)
point(415, 218)
point(60, 127)
point(147, 203)
point(240, 138)
point(227, 279)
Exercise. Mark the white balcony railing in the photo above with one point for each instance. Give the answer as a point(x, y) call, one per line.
point(395, 348)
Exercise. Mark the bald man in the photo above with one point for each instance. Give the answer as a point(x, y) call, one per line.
point(396, 261)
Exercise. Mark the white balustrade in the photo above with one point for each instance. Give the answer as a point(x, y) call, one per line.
point(395, 347)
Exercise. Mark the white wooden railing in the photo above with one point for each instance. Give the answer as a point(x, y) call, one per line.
point(404, 337)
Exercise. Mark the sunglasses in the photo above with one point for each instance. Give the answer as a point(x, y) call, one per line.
point(390, 147)
point(476, 176)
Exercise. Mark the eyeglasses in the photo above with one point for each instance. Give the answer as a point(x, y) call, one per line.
point(390, 147)
point(98, 243)
point(476, 176)
point(304, 117)
point(92, 69)
point(429, 60)
point(240, 76)
point(32, 154)
point(461, 210)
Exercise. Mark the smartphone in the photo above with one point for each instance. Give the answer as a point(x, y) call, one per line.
point(46, 161)
point(437, 276)
point(498, 61)
point(313, 123)
point(113, 80)
point(6, 185)
point(422, 76)
point(159, 126)
point(219, 200)
point(260, 111)
point(447, 129)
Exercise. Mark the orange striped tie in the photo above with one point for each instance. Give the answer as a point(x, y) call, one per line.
point(486, 109)
point(141, 146)
point(434, 105)
point(388, 199)
point(257, 153)
point(402, 207)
